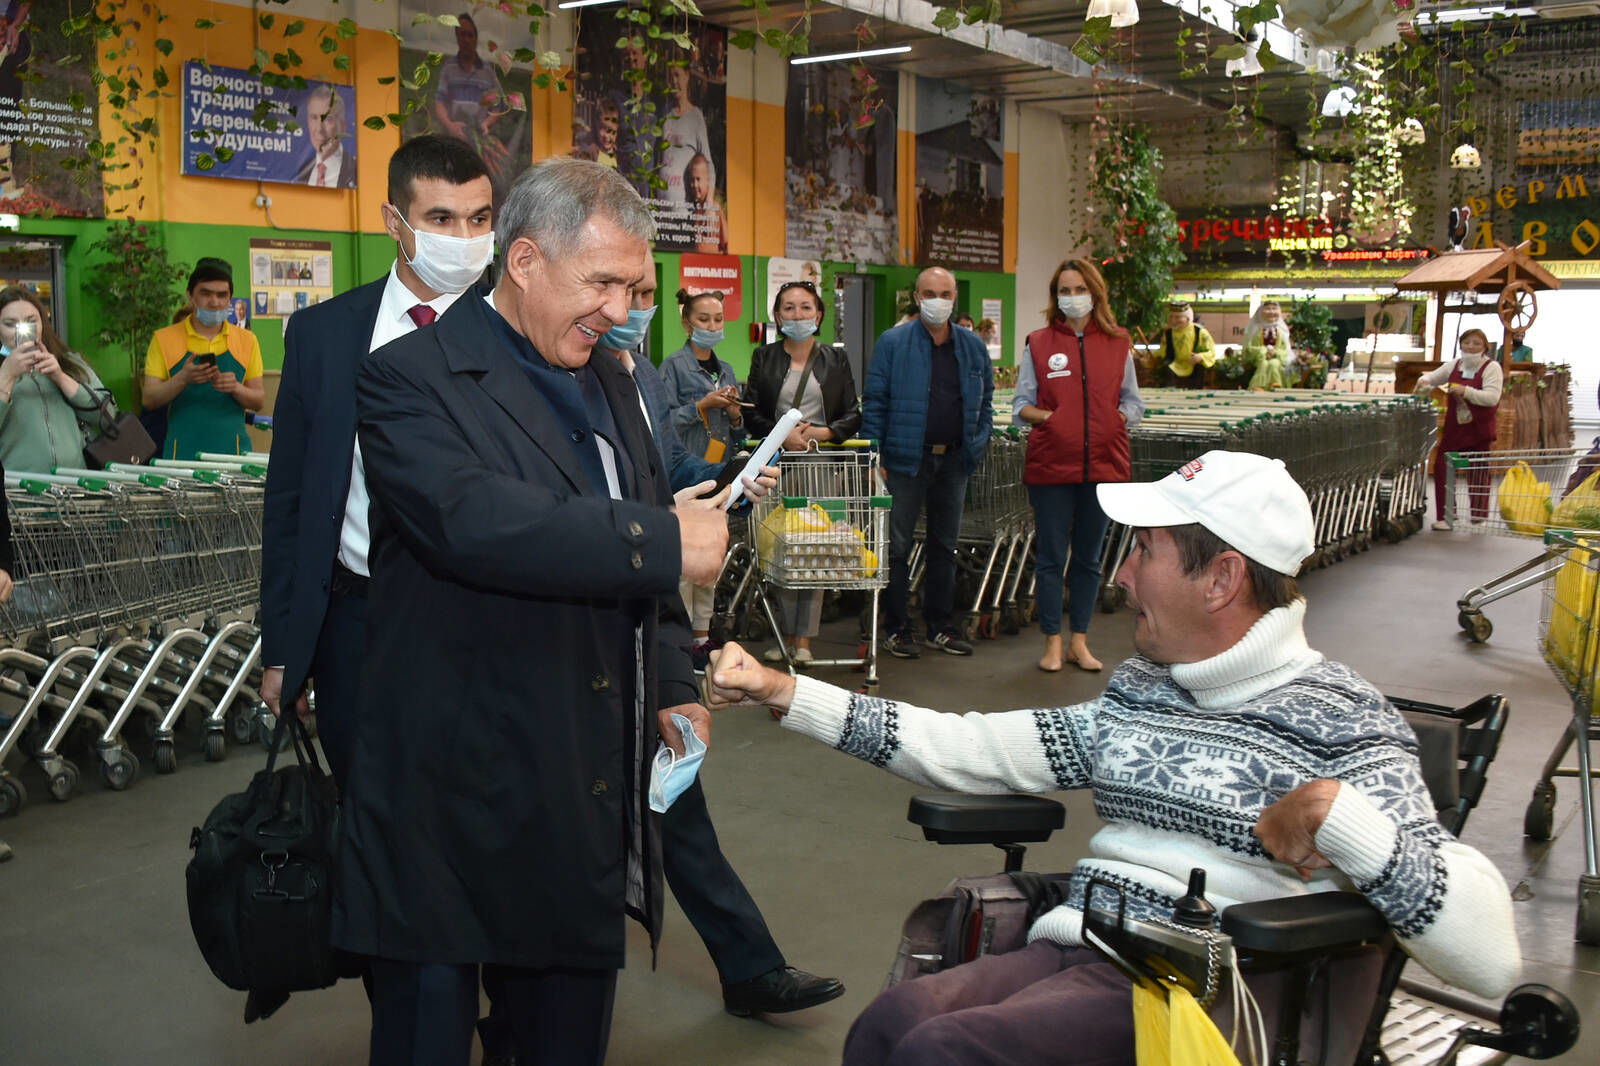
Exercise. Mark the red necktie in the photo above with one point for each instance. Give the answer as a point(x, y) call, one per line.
point(422, 314)
point(322, 173)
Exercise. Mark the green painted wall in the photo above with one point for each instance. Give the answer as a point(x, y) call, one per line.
point(355, 259)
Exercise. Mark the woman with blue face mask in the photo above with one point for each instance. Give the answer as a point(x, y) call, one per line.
point(48, 394)
point(796, 371)
point(703, 388)
point(704, 392)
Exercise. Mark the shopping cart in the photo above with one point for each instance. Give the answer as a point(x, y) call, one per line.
point(1508, 494)
point(828, 532)
point(1359, 458)
point(994, 543)
point(1569, 637)
point(135, 590)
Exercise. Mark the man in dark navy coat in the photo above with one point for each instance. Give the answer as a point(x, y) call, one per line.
point(525, 645)
point(314, 535)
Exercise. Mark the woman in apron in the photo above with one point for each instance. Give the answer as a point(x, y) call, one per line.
point(1473, 384)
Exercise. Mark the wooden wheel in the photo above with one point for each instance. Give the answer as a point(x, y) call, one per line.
point(1518, 305)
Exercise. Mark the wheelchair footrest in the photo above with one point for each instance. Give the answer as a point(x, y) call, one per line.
point(1416, 1032)
point(957, 818)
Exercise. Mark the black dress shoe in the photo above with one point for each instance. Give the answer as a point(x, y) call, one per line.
point(779, 991)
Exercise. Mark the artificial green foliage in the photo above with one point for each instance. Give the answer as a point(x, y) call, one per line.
point(136, 285)
point(1311, 328)
point(1136, 240)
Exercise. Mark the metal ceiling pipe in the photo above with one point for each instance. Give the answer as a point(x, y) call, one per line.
point(1035, 51)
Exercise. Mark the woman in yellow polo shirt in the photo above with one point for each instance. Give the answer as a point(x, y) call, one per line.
point(206, 371)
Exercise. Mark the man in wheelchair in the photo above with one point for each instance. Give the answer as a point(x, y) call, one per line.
point(1227, 743)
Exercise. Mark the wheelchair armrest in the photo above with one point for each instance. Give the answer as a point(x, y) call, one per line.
point(957, 818)
point(1318, 922)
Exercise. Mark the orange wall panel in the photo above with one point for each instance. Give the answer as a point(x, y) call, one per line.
point(1008, 247)
point(165, 192)
point(551, 114)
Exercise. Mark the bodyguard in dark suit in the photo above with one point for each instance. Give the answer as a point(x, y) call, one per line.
point(314, 525)
point(516, 673)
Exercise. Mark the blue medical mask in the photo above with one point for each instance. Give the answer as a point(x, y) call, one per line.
point(707, 338)
point(209, 318)
point(671, 774)
point(797, 329)
point(626, 338)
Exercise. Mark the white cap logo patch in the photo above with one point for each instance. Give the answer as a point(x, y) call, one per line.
point(1191, 468)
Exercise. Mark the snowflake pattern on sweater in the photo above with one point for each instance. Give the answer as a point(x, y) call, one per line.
point(1157, 761)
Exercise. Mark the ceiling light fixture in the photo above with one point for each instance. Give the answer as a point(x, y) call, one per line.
point(1340, 101)
point(1445, 16)
point(1120, 12)
point(862, 54)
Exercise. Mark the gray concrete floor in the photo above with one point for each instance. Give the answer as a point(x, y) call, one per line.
point(97, 964)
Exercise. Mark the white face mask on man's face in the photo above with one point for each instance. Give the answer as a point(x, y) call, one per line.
point(448, 264)
point(934, 311)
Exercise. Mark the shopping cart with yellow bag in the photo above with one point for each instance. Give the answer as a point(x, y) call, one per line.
point(1569, 638)
point(1514, 494)
point(830, 531)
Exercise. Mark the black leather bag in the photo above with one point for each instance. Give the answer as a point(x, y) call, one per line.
point(122, 439)
point(260, 879)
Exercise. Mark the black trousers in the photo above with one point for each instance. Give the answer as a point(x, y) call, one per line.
point(423, 1013)
point(336, 668)
point(711, 894)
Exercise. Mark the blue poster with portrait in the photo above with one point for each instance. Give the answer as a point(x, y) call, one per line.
point(302, 136)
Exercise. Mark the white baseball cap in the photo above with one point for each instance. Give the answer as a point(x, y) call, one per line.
point(1248, 500)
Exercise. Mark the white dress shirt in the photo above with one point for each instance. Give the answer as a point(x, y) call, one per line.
point(332, 167)
point(394, 322)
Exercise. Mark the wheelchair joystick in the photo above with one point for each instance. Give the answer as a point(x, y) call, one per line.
point(1194, 911)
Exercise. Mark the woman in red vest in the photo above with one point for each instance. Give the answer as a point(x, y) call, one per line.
point(1077, 389)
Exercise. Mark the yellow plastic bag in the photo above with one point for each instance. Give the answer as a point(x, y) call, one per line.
point(1170, 1029)
point(1525, 501)
point(1581, 508)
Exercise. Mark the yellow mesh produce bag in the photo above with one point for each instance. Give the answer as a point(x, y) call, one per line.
point(1170, 1029)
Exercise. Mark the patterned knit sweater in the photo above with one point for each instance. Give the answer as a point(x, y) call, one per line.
point(1182, 761)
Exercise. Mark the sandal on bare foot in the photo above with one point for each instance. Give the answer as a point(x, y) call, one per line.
point(1081, 658)
point(1051, 662)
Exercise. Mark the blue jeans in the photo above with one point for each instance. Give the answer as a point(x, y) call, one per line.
point(1067, 516)
point(940, 484)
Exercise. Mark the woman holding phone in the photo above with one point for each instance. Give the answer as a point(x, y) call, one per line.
point(815, 378)
point(48, 394)
point(704, 393)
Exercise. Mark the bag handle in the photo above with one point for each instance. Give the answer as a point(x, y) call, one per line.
point(304, 751)
point(108, 421)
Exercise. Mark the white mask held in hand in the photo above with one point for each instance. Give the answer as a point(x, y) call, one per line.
point(1079, 305)
point(671, 774)
point(445, 263)
point(934, 311)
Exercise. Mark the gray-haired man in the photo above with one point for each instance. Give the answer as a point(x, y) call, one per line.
point(523, 551)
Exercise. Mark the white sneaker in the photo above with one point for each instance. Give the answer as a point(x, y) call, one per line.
point(802, 656)
point(1441, 526)
point(773, 655)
